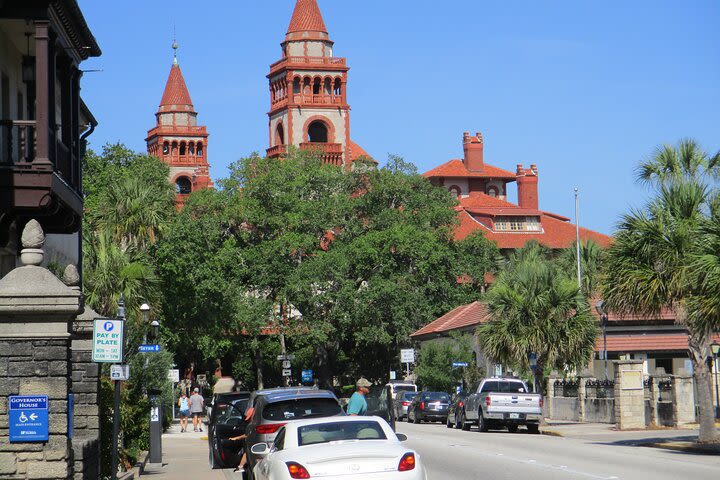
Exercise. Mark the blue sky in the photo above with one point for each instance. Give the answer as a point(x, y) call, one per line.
point(585, 90)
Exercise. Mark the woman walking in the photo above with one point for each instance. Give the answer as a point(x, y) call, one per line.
point(184, 404)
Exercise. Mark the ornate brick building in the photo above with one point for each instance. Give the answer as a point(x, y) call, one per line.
point(308, 92)
point(177, 139)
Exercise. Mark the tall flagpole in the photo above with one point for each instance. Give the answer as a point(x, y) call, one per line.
point(577, 236)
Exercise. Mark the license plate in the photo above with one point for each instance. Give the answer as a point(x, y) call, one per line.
point(514, 415)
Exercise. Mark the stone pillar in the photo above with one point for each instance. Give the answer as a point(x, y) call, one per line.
point(35, 313)
point(550, 399)
point(583, 378)
point(683, 399)
point(85, 376)
point(629, 396)
point(655, 396)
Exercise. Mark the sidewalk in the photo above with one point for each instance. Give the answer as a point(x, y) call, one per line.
point(185, 455)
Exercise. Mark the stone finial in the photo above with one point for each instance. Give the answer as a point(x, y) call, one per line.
point(33, 235)
point(71, 277)
point(33, 239)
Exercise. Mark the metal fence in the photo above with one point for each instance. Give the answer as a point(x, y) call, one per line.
point(600, 389)
point(565, 388)
point(665, 390)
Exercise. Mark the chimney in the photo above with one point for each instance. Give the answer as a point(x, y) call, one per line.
point(473, 149)
point(527, 184)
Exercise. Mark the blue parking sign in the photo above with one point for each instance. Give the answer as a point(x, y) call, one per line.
point(307, 376)
point(28, 418)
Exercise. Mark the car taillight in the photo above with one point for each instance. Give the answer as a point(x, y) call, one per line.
point(487, 401)
point(271, 428)
point(297, 471)
point(422, 405)
point(461, 404)
point(222, 455)
point(405, 404)
point(407, 462)
point(541, 403)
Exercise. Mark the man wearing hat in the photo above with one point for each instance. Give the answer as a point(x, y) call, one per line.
point(357, 404)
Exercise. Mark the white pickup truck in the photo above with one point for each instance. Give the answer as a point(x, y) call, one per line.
point(503, 402)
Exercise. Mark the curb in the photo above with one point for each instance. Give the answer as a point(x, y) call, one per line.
point(686, 447)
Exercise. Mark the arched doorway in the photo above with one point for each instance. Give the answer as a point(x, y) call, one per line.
point(318, 132)
point(279, 135)
point(183, 186)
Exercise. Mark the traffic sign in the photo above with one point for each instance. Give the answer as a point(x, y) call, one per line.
point(155, 414)
point(460, 364)
point(307, 376)
point(285, 357)
point(174, 375)
point(107, 340)
point(287, 373)
point(119, 372)
point(286, 364)
point(28, 418)
point(407, 355)
point(149, 348)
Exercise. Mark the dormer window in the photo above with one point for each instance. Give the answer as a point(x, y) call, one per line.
point(518, 224)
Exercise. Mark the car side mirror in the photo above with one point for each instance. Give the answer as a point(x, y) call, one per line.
point(260, 449)
point(401, 437)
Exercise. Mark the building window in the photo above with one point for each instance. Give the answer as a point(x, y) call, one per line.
point(191, 148)
point(183, 186)
point(166, 148)
point(492, 191)
point(296, 85)
point(317, 132)
point(517, 224)
point(455, 191)
point(199, 149)
point(279, 135)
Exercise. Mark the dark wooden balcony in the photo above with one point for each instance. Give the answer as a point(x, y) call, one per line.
point(331, 153)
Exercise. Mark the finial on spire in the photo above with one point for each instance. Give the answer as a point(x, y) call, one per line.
point(175, 47)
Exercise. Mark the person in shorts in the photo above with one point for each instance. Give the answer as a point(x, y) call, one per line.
point(184, 404)
point(197, 409)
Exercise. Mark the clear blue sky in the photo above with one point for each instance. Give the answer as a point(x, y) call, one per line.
point(583, 89)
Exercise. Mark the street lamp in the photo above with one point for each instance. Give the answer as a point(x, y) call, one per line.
point(715, 349)
point(145, 310)
point(532, 359)
point(600, 307)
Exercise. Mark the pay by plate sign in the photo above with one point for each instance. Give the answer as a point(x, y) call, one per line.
point(107, 341)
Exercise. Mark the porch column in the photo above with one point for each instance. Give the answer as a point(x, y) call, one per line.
point(42, 94)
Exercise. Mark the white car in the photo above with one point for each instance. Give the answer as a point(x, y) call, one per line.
point(337, 448)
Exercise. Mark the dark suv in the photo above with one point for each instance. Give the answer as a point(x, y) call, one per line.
point(432, 406)
point(275, 408)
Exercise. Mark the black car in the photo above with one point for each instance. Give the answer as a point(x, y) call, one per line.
point(429, 406)
point(456, 412)
point(227, 419)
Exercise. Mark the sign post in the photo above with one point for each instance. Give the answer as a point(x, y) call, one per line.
point(407, 356)
point(28, 418)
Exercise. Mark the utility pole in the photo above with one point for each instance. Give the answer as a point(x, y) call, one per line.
point(116, 404)
point(577, 236)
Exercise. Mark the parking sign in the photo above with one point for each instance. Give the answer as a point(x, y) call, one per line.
point(107, 340)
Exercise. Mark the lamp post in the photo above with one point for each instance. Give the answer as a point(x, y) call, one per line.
point(715, 349)
point(600, 307)
point(532, 359)
point(145, 311)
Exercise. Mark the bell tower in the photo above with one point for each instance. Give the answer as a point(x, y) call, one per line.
point(177, 139)
point(308, 98)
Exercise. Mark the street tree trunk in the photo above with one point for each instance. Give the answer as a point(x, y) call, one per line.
point(259, 366)
point(699, 346)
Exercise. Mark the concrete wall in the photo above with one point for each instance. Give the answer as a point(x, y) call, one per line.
point(565, 408)
point(599, 410)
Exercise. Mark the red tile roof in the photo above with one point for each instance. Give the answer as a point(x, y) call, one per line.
point(307, 18)
point(356, 151)
point(654, 342)
point(481, 200)
point(456, 168)
point(463, 316)
point(176, 93)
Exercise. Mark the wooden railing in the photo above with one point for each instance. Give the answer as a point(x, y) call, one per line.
point(276, 151)
point(332, 61)
point(17, 141)
point(320, 99)
point(330, 153)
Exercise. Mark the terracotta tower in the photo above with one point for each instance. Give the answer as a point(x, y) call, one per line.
point(177, 139)
point(308, 102)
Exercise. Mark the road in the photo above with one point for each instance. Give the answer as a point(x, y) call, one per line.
point(451, 454)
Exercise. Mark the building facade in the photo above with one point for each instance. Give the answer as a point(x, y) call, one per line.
point(177, 139)
point(308, 93)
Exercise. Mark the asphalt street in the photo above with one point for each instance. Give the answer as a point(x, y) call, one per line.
point(451, 454)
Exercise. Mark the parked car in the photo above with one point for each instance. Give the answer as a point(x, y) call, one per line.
point(279, 407)
point(429, 406)
point(338, 447)
point(227, 420)
point(504, 402)
point(456, 412)
point(402, 402)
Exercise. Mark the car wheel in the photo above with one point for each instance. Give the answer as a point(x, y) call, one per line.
point(533, 428)
point(482, 423)
point(512, 428)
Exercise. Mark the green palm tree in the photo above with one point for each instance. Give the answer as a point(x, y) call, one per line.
point(536, 307)
point(660, 253)
point(591, 257)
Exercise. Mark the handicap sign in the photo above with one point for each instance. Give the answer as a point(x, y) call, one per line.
point(107, 340)
point(307, 376)
point(148, 348)
point(28, 418)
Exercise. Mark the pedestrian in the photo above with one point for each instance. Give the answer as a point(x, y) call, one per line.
point(197, 407)
point(184, 404)
point(357, 404)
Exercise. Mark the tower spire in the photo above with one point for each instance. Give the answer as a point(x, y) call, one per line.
point(175, 47)
point(307, 21)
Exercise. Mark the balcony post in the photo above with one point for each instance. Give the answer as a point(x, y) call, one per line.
point(42, 94)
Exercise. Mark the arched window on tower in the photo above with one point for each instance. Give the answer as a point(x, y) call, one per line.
point(296, 85)
point(182, 149)
point(307, 89)
point(183, 186)
point(191, 149)
point(199, 149)
point(338, 87)
point(279, 135)
point(166, 148)
point(492, 191)
point(318, 132)
point(316, 86)
point(328, 87)
point(173, 150)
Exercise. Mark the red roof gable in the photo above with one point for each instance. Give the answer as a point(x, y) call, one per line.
point(646, 342)
point(307, 18)
point(463, 316)
point(456, 168)
point(176, 93)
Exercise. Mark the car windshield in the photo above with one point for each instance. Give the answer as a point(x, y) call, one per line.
point(503, 386)
point(231, 413)
point(298, 408)
point(338, 431)
point(403, 388)
point(436, 397)
point(409, 395)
